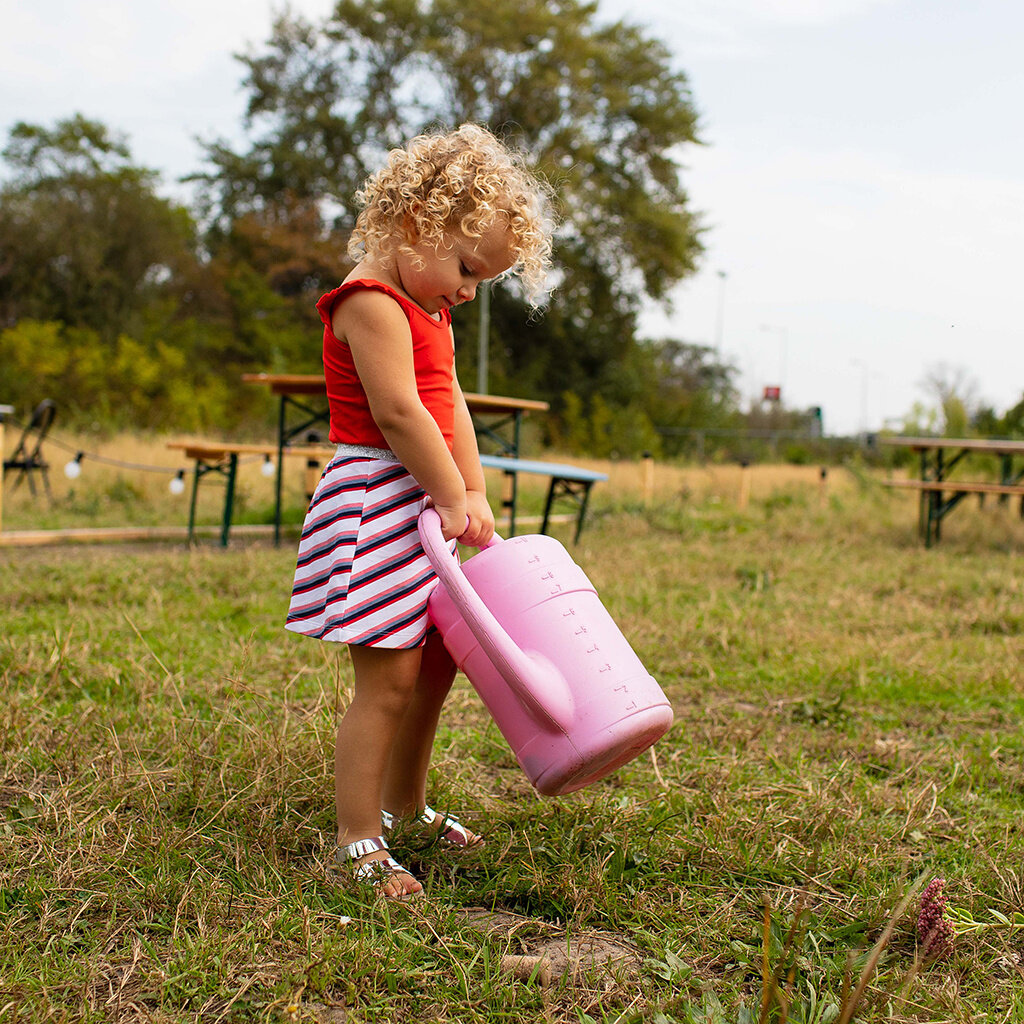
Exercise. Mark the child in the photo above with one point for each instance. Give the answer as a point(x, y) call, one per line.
point(446, 213)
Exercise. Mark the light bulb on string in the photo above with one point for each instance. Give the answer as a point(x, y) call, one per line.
point(268, 468)
point(73, 470)
point(177, 484)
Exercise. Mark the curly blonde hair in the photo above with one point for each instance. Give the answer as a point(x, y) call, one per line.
point(466, 180)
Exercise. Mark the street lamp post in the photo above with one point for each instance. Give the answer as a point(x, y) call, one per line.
point(783, 334)
point(863, 393)
point(720, 318)
point(483, 336)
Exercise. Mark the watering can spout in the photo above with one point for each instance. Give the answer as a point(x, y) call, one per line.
point(536, 682)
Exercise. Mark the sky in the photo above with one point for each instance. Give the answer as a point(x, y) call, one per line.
point(860, 179)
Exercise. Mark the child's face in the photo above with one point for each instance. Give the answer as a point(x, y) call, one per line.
point(449, 275)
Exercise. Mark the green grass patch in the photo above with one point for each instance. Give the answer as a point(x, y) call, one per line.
point(848, 712)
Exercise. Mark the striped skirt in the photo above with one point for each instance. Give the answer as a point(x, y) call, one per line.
point(362, 576)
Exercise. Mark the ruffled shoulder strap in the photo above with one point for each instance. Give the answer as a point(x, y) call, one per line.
point(325, 305)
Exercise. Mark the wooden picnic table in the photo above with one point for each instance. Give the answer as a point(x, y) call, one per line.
point(940, 492)
point(303, 406)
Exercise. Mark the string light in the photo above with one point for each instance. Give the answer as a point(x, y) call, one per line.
point(177, 484)
point(268, 468)
point(73, 470)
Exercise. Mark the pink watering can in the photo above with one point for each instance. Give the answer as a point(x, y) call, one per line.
point(524, 623)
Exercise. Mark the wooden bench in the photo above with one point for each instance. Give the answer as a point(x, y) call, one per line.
point(934, 508)
point(571, 482)
point(222, 458)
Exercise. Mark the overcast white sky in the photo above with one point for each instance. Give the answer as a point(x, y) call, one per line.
point(862, 181)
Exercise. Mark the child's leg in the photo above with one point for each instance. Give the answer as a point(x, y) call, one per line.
point(404, 790)
point(385, 681)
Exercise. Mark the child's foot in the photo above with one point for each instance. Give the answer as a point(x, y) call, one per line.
point(443, 828)
point(374, 866)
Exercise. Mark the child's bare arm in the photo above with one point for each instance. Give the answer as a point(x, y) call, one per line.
point(467, 458)
point(377, 333)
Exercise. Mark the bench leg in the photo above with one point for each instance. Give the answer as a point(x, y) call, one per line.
point(508, 500)
point(934, 518)
point(1005, 476)
point(192, 504)
point(578, 490)
point(547, 504)
point(229, 499)
point(583, 512)
point(230, 471)
point(278, 476)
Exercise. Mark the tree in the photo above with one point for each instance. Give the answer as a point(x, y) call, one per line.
point(84, 238)
point(694, 389)
point(1011, 423)
point(956, 392)
point(598, 107)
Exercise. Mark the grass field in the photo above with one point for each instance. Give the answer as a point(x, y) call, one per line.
point(848, 727)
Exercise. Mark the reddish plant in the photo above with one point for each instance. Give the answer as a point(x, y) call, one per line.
point(934, 931)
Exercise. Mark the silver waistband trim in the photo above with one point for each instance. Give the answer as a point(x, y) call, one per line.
point(365, 451)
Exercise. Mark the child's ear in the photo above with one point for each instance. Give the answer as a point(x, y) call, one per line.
point(409, 230)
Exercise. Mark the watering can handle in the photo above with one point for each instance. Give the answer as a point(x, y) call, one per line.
point(534, 680)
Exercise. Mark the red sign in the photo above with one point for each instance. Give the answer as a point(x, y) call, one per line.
point(772, 394)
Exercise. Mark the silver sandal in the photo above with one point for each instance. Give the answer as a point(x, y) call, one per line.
point(375, 872)
point(450, 832)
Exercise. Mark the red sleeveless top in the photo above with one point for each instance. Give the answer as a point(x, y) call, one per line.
point(433, 361)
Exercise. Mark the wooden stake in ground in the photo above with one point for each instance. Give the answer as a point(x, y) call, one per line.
point(744, 498)
point(314, 470)
point(648, 478)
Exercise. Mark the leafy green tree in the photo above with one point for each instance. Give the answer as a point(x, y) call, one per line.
point(598, 107)
point(691, 390)
point(693, 387)
point(144, 332)
point(986, 422)
point(145, 383)
point(1011, 424)
point(956, 392)
point(664, 391)
point(84, 238)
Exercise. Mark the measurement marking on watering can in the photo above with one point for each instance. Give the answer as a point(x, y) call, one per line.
point(631, 706)
point(570, 611)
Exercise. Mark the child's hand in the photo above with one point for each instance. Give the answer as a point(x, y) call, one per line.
point(481, 520)
point(453, 519)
